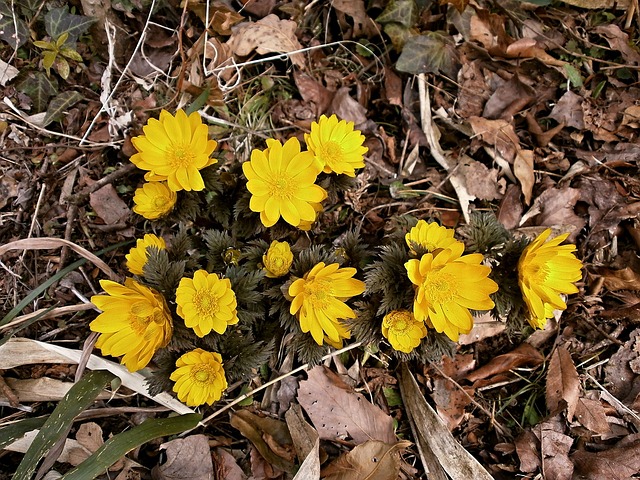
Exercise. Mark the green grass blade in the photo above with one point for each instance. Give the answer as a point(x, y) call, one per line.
point(77, 399)
point(118, 446)
point(16, 430)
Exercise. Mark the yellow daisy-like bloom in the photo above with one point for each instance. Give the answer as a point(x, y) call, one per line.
point(545, 271)
point(278, 259)
point(175, 149)
point(281, 180)
point(154, 200)
point(199, 377)
point(135, 322)
point(337, 145)
point(429, 236)
point(448, 285)
point(318, 300)
point(206, 303)
point(138, 255)
point(402, 330)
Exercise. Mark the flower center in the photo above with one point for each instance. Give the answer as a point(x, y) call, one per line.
point(180, 155)
point(160, 202)
point(139, 324)
point(537, 274)
point(203, 374)
point(282, 187)
point(330, 153)
point(439, 287)
point(205, 303)
point(319, 293)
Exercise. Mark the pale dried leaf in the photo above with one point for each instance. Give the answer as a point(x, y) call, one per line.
point(555, 447)
point(481, 181)
point(528, 450)
point(267, 35)
point(568, 110)
point(433, 435)
point(599, 4)
point(563, 383)
point(7, 72)
point(24, 351)
point(523, 170)
point(306, 442)
point(339, 413)
point(226, 466)
point(187, 459)
point(72, 452)
point(346, 108)
point(372, 460)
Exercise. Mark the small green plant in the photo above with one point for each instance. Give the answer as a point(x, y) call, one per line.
point(55, 54)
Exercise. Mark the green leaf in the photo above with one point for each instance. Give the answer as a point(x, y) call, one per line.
point(404, 12)
point(78, 398)
point(63, 68)
point(433, 52)
point(48, 59)
point(59, 21)
point(39, 87)
point(394, 399)
point(61, 103)
point(44, 45)
point(17, 430)
point(8, 22)
point(71, 53)
point(399, 34)
point(573, 75)
point(116, 447)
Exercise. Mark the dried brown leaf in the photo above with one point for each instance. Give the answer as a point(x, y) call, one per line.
point(619, 40)
point(347, 108)
point(481, 181)
point(339, 413)
point(592, 415)
point(306, 442)
point(621, 462)
point(108, 205)
point(362, 23)
point(373, 460)
point(523, 354)
point(267, 35)
point(528, 450)
point(563, 383)
point(270, 437)
point(311, 90)
point(187, 458)
point(497, 133)
point(568, 110)
point(226, 466)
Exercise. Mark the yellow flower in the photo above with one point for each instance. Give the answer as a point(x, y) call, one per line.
point(138, 255)
point(402, 330)
point(199, 377)
point(448, 285)
point(206, 303)
point(281, 181)
point(175, 149)
point(318, 300)
point(429, 237)
point(154, 200)
point(337, 145)
point(278, 259)
point(135, 322)
point(545, 271)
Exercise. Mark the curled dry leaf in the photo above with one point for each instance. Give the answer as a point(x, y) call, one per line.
point(267, 35)
point(108, 205)
point(523, 354)
point(499, 134)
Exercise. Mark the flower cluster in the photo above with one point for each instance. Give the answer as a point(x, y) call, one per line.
point(282, 178)
point(217, 284)
point(173, 150)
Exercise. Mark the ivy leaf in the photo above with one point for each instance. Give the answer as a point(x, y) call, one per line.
point(48, 59)
point(8, 32)
point(433, 52)
point(404, 12)
point(59, 104)
point(59, 21)
point(71, 53)
point(39, 87)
